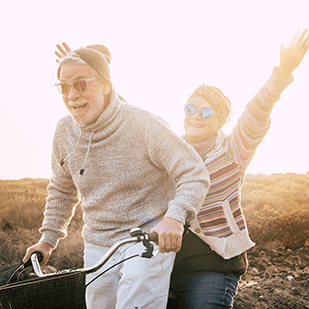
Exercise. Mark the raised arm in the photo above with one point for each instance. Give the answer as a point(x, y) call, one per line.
point(255, 121)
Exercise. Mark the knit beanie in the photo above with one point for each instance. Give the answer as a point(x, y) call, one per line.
point(97, 56)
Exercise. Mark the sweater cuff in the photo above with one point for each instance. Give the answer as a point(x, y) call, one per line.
point(50, 239)
point(276, 84)
point(177, 214)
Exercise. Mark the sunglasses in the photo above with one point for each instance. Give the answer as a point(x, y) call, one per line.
point(190, 110)
point(79, 85)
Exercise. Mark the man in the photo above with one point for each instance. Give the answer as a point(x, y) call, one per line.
point(130, 170)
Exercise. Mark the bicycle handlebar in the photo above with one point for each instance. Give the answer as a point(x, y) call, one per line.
point(136, 236)
point(153, 236)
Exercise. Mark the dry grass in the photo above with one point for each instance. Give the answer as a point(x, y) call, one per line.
point(21, 215)
point(275, 206)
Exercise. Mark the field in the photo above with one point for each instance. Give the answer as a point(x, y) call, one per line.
point(275, 207)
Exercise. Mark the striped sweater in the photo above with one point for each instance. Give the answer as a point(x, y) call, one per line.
point(220, 221)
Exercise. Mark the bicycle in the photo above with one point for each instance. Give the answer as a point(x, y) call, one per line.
point(65, 288)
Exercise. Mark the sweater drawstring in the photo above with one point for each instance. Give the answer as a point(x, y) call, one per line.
point(62, 161)
point(81, 172)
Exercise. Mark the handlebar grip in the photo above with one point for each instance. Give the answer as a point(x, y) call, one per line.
point(39, 255)
point(153, 236)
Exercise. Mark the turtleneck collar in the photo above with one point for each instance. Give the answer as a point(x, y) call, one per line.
point(205, 147)
point(103, 121)
point(106, 117)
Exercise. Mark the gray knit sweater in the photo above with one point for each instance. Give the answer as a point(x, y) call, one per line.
point(135, 172)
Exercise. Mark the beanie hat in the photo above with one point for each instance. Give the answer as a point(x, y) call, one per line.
point(97, 56)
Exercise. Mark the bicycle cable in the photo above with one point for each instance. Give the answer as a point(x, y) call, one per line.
point(99, 275)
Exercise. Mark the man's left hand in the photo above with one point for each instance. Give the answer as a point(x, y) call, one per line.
point(169, 233)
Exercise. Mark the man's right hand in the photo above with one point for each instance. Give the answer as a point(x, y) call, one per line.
point(169, 233)
point(43, 247)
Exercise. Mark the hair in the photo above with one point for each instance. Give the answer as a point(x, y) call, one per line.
point(74, 58)
point(71, 58)
point(215, 97)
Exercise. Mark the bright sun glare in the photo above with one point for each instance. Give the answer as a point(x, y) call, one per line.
point(161, 52)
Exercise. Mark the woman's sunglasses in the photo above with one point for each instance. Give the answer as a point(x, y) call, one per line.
point(79, 85)
point(190, 110)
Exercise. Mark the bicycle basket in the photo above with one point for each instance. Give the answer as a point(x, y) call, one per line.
point(56, 291)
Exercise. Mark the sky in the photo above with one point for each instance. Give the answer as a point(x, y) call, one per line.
point(161, 52)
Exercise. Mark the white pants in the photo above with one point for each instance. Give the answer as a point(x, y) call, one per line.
point(139, 283)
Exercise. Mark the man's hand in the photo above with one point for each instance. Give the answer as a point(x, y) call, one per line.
point(293, 54)
point(169, 233)
point(45, 248)
point(63, 52)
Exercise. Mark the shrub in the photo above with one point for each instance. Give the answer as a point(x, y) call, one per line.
point(276, 209)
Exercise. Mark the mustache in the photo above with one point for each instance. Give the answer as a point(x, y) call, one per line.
point(77, 102)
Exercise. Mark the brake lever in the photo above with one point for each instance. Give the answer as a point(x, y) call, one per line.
point(146, 238)
point(150, 251)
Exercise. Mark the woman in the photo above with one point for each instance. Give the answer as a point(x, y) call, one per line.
point(213, 253)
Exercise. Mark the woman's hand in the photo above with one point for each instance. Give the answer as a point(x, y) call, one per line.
point(63, 52)
point(293, 54)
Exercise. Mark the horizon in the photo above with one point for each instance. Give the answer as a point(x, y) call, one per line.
point(48, 178)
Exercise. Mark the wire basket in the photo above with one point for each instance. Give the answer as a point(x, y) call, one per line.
point(56, 291)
